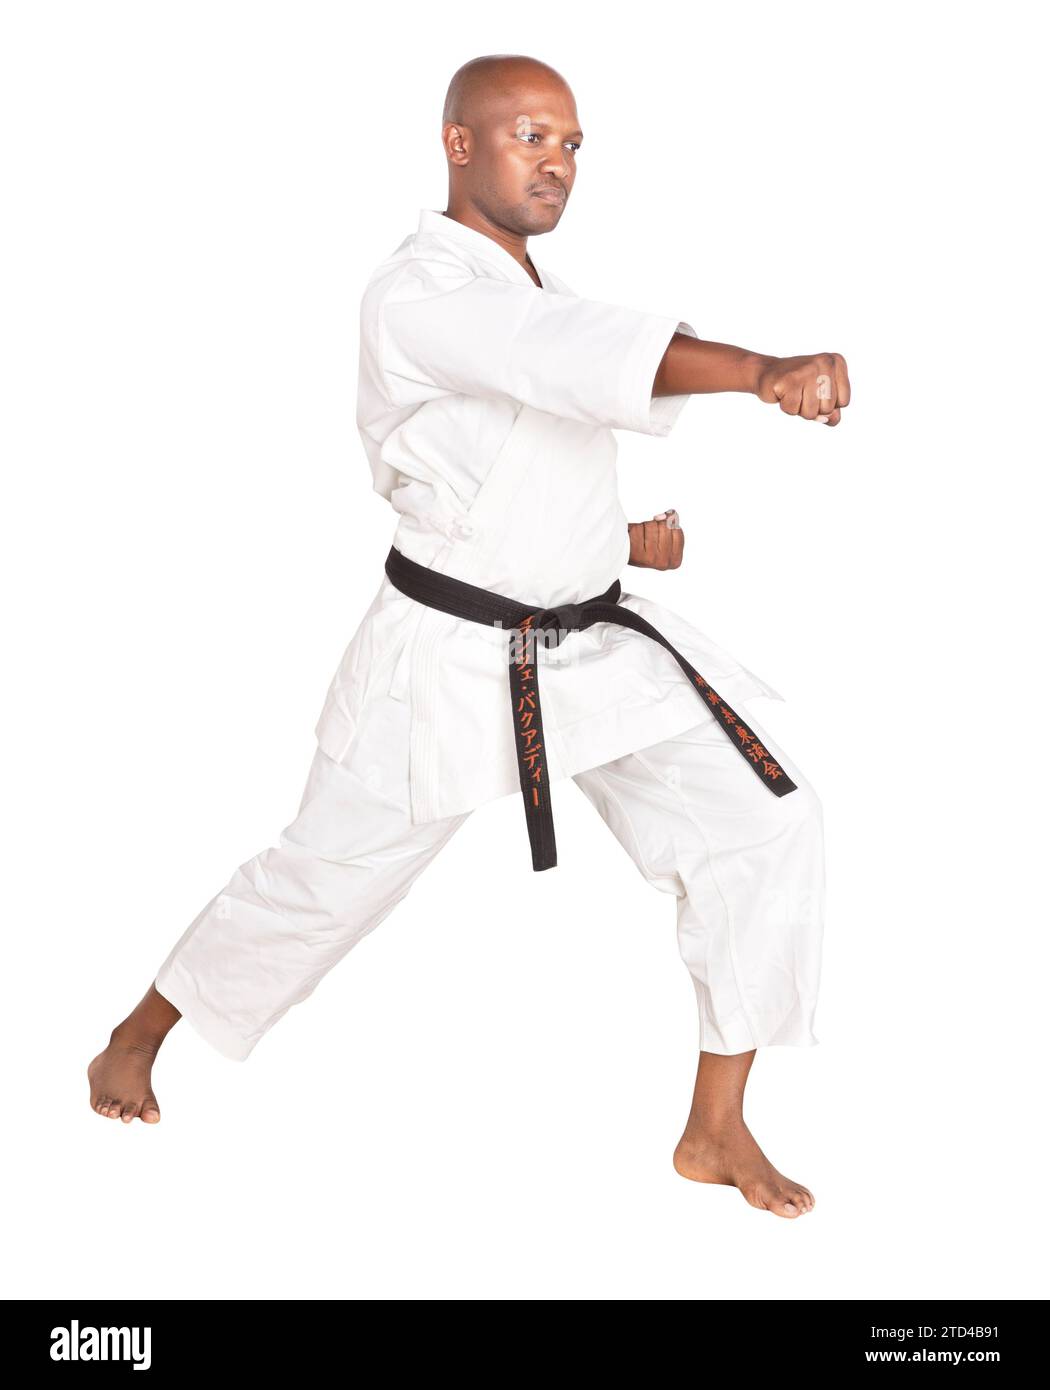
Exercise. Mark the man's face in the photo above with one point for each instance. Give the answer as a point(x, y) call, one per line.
point(523, 158)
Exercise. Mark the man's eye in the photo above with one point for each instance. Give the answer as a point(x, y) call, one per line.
point(531, 135)
point(575, 145)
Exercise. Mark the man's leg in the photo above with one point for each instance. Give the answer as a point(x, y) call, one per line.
point(283, 920)
point(747, 869)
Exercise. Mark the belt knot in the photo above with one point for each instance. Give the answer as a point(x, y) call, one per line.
point(565, 618)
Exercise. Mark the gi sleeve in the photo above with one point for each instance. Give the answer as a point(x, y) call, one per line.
point(579, 358)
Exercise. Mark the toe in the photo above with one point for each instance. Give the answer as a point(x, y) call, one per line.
point(150, 1111)
point(787, 1204)
point(129, 1111)
point(801, 1196)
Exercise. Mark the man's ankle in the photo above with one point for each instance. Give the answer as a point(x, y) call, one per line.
point(128, 1035)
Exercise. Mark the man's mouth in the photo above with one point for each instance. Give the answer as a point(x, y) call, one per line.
point(550, 194)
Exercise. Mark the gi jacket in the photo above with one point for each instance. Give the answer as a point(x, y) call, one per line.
point(487, 407)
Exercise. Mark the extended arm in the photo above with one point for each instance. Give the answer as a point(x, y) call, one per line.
point(815, 387)
point(440, 330)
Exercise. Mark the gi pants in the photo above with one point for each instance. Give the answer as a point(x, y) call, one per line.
point(745, 867)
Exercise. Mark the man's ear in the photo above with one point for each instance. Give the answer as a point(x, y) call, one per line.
point(457, 141)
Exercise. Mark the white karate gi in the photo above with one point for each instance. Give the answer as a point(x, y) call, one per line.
point(487, 407)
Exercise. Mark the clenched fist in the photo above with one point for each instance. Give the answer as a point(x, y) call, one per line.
point(657, 544)
point(817, 388)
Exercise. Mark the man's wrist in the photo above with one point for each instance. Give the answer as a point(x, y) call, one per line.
point(751, 368)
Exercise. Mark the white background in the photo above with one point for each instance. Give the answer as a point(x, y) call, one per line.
point(483, 1099)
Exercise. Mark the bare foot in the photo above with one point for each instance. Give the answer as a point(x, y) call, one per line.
point(727, 1153)
point(120, 1080)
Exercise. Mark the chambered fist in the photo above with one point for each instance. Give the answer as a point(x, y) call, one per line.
point(657, 544)
point(817, 388)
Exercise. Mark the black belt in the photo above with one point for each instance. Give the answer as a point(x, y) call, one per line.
point(464, 600)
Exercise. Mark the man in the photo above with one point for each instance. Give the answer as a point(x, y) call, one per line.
point(488, 396)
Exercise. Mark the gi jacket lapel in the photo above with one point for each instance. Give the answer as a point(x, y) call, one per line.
point(434, 223)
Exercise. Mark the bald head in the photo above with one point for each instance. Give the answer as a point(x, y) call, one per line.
point(511, 134)
point(476, 84)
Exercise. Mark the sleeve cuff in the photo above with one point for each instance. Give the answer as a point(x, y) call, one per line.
point(649, 414)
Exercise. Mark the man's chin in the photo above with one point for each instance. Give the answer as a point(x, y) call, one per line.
point(544, 215)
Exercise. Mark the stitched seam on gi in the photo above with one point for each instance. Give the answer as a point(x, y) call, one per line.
point(718, 888)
